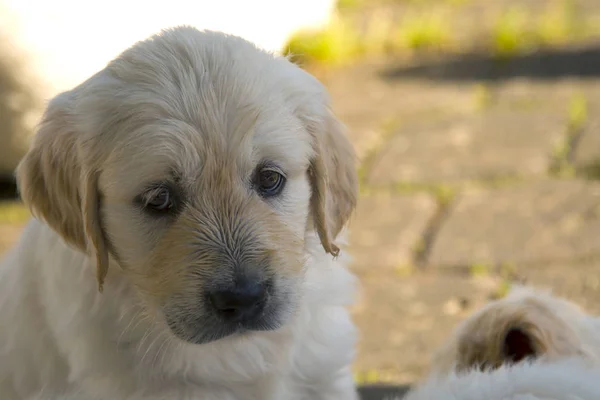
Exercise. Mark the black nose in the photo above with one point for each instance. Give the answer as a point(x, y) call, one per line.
point(243, 300)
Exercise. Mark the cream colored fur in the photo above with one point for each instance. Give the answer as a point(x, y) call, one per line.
point(564, 379)
point(558, 351)
point(201, 111)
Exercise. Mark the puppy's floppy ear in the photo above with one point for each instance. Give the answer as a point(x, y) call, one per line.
point(499, 339)
point(333, 178)
point(519, 344)
point(58, 188)
point(332, 171)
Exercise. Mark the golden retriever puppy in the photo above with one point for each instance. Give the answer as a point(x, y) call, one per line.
point(529, 345)
point(190, 198)
point(526, 324)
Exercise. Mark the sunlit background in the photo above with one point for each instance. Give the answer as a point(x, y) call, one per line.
point(476, 123)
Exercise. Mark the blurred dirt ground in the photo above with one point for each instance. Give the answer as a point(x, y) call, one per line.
point(471, 181)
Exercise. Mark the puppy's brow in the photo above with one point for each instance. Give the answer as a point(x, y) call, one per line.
point(173, 179)
point(241, 127)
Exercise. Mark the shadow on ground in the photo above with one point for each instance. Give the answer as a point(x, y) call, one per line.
point(582, 62)
point(382, 392)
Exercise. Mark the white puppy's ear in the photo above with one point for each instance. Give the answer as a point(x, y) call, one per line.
point(334, 179)
point(498, 338)
point(56, 186)
point(520, 344)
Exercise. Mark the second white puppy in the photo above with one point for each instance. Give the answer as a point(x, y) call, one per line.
point(527, 324)
point(529, 345)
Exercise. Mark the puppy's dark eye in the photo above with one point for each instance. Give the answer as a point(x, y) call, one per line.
point(159, 200)
point(269, 182)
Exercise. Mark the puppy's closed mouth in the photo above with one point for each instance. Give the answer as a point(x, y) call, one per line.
point(231, 310)
point(213, 330)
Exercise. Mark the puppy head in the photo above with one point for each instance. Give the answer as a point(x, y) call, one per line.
point(525, 325)
point(199, 164)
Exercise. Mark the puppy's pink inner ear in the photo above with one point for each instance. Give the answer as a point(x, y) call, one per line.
point(518, 346)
